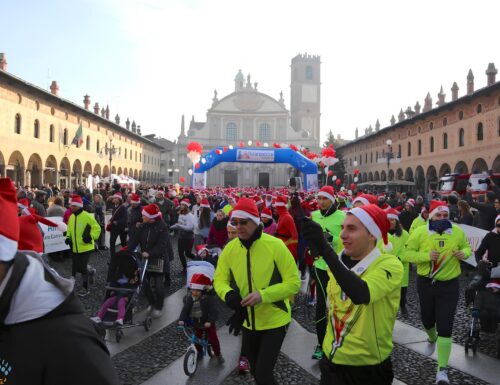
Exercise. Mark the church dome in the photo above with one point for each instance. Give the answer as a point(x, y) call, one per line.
point(239, 77)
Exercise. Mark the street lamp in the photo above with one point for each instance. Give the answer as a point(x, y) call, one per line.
point(109, 150)
point(389, 156)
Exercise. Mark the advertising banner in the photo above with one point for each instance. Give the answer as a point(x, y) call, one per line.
point(261, 156)
point(312, 182)
point(53, 239)
point(200, 181)
point(474, 236)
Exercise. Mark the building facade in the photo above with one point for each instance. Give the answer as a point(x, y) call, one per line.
point(461, 135)
point(37, 128)
point(248, 115)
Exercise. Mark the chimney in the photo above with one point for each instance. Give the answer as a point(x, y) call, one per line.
point(470, 83)
point(106, 112)
point(138, 131)
point(356, 133)
point(491, 72)
point(401, 116)
point(117, 119)
point(127, 124)
point(427, 103)
point(103, 112)
point(54, 88)
point(86, 102)
point(96, 108)
point(133, 126)
point(393, 120)
point(441, 97)
point(417, 108)
point(454, 91)
point(3, 62)
point(377, 125)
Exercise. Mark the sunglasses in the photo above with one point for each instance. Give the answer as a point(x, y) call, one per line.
point(242, 222)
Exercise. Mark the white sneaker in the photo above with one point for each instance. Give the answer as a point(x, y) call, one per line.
point(429, 348)
point(156, 313)
point(96, 319)
point(119, 322)
point(442, 378)
point(149, 309)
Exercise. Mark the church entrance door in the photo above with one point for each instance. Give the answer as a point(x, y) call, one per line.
point(230, 178)
point(264, 179)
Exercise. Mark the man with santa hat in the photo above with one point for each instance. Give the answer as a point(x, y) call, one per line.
point(286, 229)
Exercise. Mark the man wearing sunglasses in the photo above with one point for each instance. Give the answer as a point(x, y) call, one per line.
point(266, 275)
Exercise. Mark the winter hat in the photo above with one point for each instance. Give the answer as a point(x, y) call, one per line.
point(204, 203)
point(411, 202)
point(327, 192)
point(493, 284)
point(230, 225)
point(76, 200)
point(266, 213)
point(151, 211)
point(186, 202)
point(135, 199)
point(392, 214)
point(375, 220)
point(9, 226)
point(246, 209)
point(366, 199)
point(117, 195)
point(437, 207)
point(281, 201)
point(23, 203)
point(200, 249)
point(381, 197)
point(258, 200)
point(199, 282)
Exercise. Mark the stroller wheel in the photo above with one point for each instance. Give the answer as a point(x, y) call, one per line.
point(190, 362)
point(119, 335)
point(147, 323)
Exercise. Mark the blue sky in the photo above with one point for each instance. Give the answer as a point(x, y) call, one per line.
point(154, 60)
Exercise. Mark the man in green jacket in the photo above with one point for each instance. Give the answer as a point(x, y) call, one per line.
point(437, 249)
point(266, 276)
point(82, 231)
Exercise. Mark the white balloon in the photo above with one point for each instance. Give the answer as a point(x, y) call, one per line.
point(266, 144)
point(355, 163)
point(342, 188)
point(190, 172)
point(250, 142)
point(356, 179)
point(349, 192)
point(203, 160)
point(230, 147)
point(334, 177)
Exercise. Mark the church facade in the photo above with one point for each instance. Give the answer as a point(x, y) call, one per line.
point(248, 115)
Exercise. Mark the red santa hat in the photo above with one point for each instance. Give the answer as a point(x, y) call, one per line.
point(30, 238)
point(9, 226)
point(375, 220)
point(76, 200)
point(266, 213)
point(186, 202)
point(327, 192)
point(246, 209)
point(493, 284)
point(281, 201)
point(258, 200)
point(151, 211)
point(411, 202)
point(437, 207)
point(204, 203)
point(117, 195)
point(135, 199)
point(200, 249)
point(392, 213)
point(497, 219)
point(23, 203)
point(199, 282)
point(366, 199)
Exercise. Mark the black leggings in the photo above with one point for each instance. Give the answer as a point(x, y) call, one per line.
point(79, 265)
point(402, 301)
point(155, 297)
point(438, 303)
point(263, 348)
point(184, 247)
point(380, 374)
point(112, 240)
point(322, 279)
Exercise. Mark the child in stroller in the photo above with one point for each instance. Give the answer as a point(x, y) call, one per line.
point(204, 253)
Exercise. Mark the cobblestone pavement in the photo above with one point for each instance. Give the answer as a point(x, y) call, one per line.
point(286, 372)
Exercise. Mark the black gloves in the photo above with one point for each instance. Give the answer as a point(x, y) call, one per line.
point(235, 322)
point(313, 233)
point(87, 239)
point(68, 242)
point(86, 234)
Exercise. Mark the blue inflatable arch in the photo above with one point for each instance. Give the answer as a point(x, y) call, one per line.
point(257, 155)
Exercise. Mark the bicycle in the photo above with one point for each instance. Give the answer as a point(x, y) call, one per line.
point(191, 355)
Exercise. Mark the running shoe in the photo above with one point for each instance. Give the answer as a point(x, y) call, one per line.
point(430, 348)
point(442, 377)
point(96, 319)
point(243, 365)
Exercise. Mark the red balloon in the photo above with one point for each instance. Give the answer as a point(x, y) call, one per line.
point(330, 173)
point(356, 171)
point(321, 164)
point(242, 144)
point(353, 186)
point(197, 166)
point(258, 143)
point(182, 179)
point(225, 148)
point(338, 182)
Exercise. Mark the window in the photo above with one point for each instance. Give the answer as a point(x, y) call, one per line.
point(445, 121)
point(125, 153)
point(432, 144)
point(419, 147)
point(376, 156)
point(371, 157)
point(461, 138)
point(399, 151)
point(309, 73)
point(264, 132)
point(479, 108)
point(51, 133)
point(431, 126)
point(498, 133)
point(97, 146)
point(366, 157)
point(445, 140)
point(36, 129)
point(88, 143)
point(231, 131)
point(17, 125)
point(65, 137)
point(409, 148)
point(460, 115)
point(480, 131)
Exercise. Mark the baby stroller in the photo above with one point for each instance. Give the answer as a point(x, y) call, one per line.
point(484, 305)
point(127, 278)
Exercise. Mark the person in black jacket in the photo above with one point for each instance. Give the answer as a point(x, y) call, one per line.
point(118, 224)
point(490, 244)
point(134, 215)
point(408, 215)
point(153, 238)
point(487, 210)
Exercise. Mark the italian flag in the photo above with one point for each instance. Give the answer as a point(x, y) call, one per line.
point(78, 139)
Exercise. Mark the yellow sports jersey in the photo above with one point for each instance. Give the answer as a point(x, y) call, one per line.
point(359, 335)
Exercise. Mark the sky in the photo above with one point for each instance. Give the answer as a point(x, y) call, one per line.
point(155, 60)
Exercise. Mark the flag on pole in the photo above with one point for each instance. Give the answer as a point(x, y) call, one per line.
point(78, 139)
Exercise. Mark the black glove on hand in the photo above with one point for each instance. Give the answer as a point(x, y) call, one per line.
point(68, 241)
point(235, 322)
point(313, 233)
point(87, 239)
point(233, 300)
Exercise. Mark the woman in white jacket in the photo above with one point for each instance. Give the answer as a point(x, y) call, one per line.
point(185, 224)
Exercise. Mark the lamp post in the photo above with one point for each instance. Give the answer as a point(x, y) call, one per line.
point(110, 150)
point(389, 156)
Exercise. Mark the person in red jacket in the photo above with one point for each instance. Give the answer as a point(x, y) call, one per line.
point(217, 235)
point(286, 231)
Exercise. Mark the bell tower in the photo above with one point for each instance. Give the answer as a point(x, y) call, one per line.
point(305, 98)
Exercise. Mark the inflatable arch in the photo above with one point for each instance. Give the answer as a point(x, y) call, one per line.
point(257, 155)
